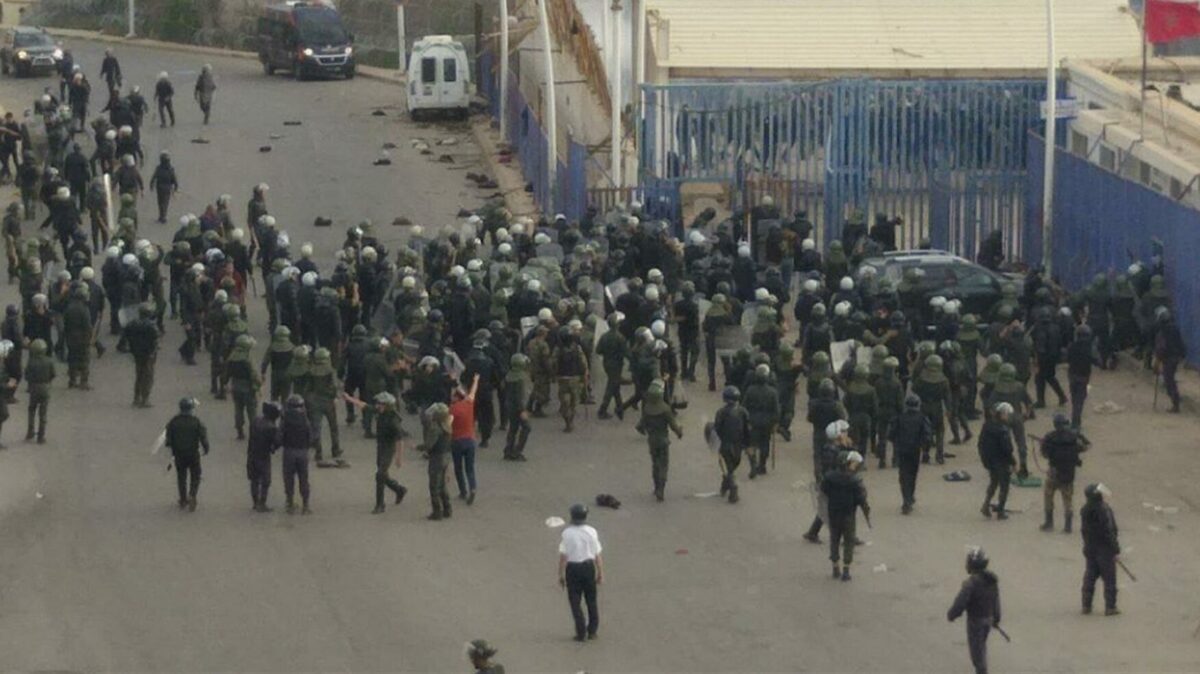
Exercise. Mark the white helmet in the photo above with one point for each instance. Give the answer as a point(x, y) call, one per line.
point(221, 296)
point(474, 265)
point(652, 293)
point(938, 302)
point(196, 267)
point(368, 253)
point(502, 233)
point(534, 285)
point(111, 134)
point(63, 192)
point(743, 250)
point(846, 283)
point(867, 271)
point(841, 309)
point(836, 428)
point(283, 240)
point(457, 270)
point(87, 273)
point(309, 279)
point(761, 295)
point(112, 252)
point(696, 237)
point(269, 221)
point(237, 234)
point(504, 248)
point(162, 75)
point(544, 314)
point(655, 276)
point(129, 259)
point(408, 283)
point(951, 307)
point(306, 250)
point(541, 239)
point(658, 328)
point(518, 228)
point(417, 230)
point(808, 244)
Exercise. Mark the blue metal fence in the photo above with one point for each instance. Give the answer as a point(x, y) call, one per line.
point(948, 155)
point(529, 143)
point(1100, 217)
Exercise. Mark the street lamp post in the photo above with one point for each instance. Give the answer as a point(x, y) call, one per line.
point(551, 110)
point(614, 87)
point(1051, 121)
point(132, 32)
point(504, 71)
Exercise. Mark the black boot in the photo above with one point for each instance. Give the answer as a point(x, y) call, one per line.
point(813, 535)
point(1048, 524)
point(1067, 522)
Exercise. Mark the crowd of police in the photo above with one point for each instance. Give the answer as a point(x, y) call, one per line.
point(515, 309)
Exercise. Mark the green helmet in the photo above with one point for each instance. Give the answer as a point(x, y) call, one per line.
point(1008, 371)
point(995, 360)
point(282, 331)
point(861, 371)
point(300, 353)
point(820, 358)
point(969, 321)
point(231, 310)
point(38, 347)
point(826, 389)
point(934, 361)
point(891, 363)
point(879, 352)
point(321, 356)
point(244, 342)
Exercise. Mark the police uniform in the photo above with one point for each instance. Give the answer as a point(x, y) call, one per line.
point(186, 436)
point(657, 419)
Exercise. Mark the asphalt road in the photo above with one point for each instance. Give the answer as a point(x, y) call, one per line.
point(100, 571)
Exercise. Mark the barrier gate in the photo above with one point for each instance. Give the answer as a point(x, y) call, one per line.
point(947, 156)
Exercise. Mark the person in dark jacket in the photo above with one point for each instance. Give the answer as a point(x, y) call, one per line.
point(845, 493)
point(1082, 355)
point(165, 184)
point(164, 96)
point(263, 442)
point(186, 436)
point(1062, 448)
point(39, 373)
point(762, 404)
point(295, 438)
point(1047, 345)
point(979, 598)
point(657, 419)
point(1100, 548)
point(996, 453)
point(78, 172)
point(910, 433)
point(613, 351)
point(110, 70)
point(515, 396)
point(732, 428)
point(1169, 352)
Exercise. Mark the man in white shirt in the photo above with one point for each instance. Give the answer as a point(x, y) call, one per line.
point(580, 570)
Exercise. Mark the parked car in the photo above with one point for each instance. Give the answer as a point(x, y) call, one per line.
point(947, 275)
point(439, 77)
point(27, 51)
point(306, 38)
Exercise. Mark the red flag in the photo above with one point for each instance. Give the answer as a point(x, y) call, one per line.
point(1168, 20)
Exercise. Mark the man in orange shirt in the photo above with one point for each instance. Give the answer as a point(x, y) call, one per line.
point(462, 440)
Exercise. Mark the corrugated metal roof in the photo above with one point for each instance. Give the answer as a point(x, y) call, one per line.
point(889, 34)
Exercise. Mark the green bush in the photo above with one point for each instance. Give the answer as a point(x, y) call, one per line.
point(178, 22)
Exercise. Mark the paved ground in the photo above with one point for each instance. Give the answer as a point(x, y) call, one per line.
point(101, 572)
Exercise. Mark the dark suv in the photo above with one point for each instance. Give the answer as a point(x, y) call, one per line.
point(27, 50)
point(307, 39)
point(947, 275)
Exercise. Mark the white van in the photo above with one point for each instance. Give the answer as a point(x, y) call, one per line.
point(439, 76)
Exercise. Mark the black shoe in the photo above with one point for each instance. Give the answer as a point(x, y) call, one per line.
point(591, 636)
point(658, 495)
point(434, 517)
point(378, 509)
point(924, 458)
point(905, 509)
point(471, 497)
point(1039, 405)
point(986, 510)
point(1087, 610)
point(400, 495)
point(1112, 611)
point(192, 504)
point(603, 415)
point(811, 537)
point(578, 637)
point(785, 434)
point(845, 573)
point(1001, 514)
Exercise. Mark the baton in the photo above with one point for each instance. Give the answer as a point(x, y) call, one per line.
point(773, 452)
point(1002, 633)
point(867, 517)
point(1126, 570)
point(1154, 406)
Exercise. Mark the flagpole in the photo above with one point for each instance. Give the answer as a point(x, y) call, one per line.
point(1142, 129)
point(1051, 114)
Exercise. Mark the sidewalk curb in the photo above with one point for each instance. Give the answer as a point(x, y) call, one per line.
point(369, 72)
point(509, 177)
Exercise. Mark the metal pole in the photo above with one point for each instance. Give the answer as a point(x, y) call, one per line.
point(1142, 109)
point(504, 71)
point(614, 87)
point(639, 76)
point(132, 32)
point(1051, 113)
point(401, 38)
point(551, 110)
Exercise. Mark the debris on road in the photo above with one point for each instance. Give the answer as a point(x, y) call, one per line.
point(389, 146)
point(448, 141)
point(275, 136)
point(201, 141)
point(446, 159)
point(401, 222)
point(322, 222)
point(292, 122)
point(607, 501)
point(880, 568)
point(264, 148)
point(1108, 407)
point(957, 476)
point(378, 113)
point(555, 522)
point(385, 159)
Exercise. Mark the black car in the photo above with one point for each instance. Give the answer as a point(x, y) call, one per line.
point(307, 39)
point(947, 275)
point(27, 50)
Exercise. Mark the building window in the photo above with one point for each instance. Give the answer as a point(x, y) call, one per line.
point(1108, 158)
point(1079, 143)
